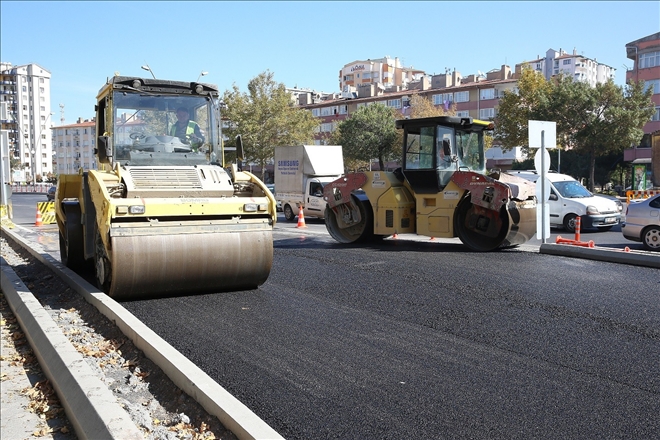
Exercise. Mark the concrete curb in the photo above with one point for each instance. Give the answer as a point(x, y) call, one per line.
point(233, 414)
point(637, 258)
point(90, 406)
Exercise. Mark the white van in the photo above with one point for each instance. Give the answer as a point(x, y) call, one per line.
point(569, 199)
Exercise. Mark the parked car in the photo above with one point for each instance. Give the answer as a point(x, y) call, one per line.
point(569, 199)
point(271, 187)
point(51, 193)
point(643, 222)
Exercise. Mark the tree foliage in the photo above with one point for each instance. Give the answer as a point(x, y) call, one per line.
point(265, 117)
point(591, 121)
point(515, 109)
point(422, 107)
point(369, 133)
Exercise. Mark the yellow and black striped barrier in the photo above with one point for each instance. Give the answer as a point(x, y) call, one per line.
point(640, 194)
point(46, 210)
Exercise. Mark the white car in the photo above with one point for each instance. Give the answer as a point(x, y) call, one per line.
point(569, 199)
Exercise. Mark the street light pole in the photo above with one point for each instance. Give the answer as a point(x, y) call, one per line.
point(34, 165)
point(201, 74)
point(147, 68)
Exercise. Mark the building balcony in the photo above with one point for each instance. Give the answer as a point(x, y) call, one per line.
point(637, 155)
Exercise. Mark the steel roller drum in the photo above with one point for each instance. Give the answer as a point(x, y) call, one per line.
point(145, 266)
point(522, 222)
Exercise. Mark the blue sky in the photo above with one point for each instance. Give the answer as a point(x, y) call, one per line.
point(303, 44)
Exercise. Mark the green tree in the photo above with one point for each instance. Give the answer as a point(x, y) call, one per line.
point(265, 117)
point(369, 133)
point(422, 107)
point(591, 121)
point(598, 121)
point(517, 108)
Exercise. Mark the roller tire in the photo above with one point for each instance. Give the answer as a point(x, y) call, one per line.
point(71, 240)
point(361, 232)
point(102, 266)
point(474, 240)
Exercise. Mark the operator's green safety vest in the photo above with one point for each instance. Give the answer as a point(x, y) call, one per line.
point(190, 129)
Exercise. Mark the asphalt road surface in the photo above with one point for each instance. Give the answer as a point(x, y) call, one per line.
point(422, 339)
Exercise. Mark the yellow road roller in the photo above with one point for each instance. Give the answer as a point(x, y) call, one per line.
point(161, 214)
point(442, 190)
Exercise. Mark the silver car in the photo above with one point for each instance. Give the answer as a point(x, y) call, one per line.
point(643, 222)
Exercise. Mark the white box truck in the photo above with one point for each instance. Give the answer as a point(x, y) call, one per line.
point(301, 172)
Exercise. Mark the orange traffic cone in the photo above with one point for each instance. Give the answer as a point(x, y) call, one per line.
point(301, 218)
point(38, 222)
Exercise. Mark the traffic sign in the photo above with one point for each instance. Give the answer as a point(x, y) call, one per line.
point(542, 161)
point(542, 132)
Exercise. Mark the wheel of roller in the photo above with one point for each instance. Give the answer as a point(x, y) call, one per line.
point(71, 239)
point(361, 231)
point(480, 230)
point(180, 264)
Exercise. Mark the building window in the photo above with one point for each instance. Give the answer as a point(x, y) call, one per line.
point(343, 109)
point(656, 115)
point(566, 62)
point(437, 99)
point(486, 113)
point(487, 94)
point(394, 103)
point(653, 84)
point(316, 112)
point(650, 59)
point(462, 96)
point(463, 114)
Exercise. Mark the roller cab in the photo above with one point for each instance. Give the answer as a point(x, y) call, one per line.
point(442, 190)
point(162, 215)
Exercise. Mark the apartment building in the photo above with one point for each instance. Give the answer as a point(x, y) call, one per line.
point(25, 96)
point(473, 96)
point(384, 73)
point(576, 66)
point(645, 54)
point(74, 146)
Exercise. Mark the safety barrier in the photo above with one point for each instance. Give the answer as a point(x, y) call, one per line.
point(46, 210)
point(576, 242)
point(301, 218)
point(640, 194)
point(34, 188)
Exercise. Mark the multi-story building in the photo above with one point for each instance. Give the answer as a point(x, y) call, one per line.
point(25, 91)
point(74, 146)
point(645, 54)
point(576, 66)
point(383, 73)
point(473, 96)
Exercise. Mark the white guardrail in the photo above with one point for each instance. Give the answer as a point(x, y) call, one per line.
point(32, 188)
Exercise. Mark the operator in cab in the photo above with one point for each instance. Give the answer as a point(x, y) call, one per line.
point(186, 129)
